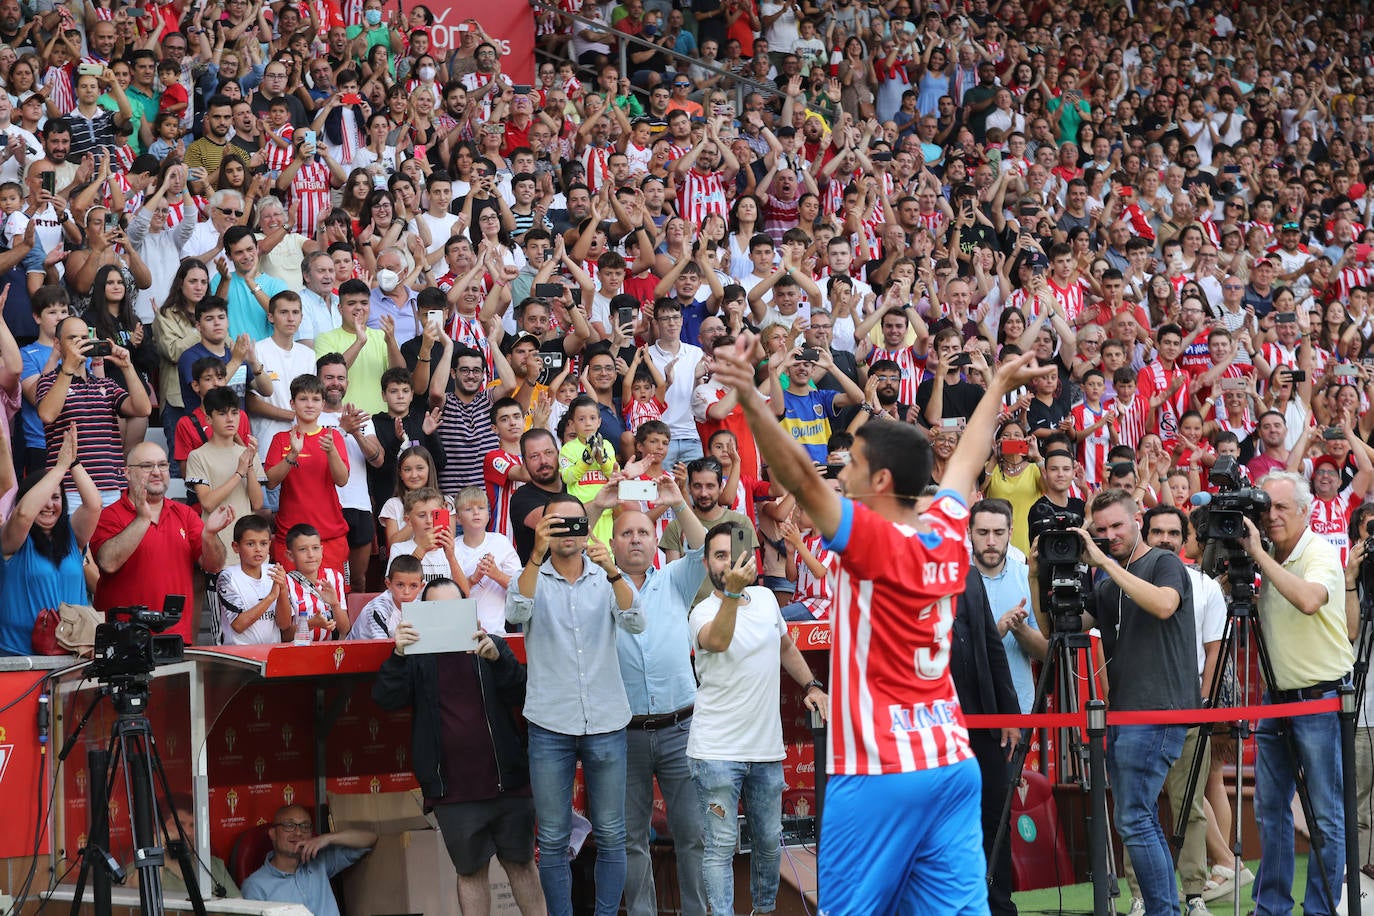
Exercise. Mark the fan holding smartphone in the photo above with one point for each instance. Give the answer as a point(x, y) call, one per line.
point(573, 603)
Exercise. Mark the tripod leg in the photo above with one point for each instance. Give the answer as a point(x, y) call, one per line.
point(143, 815)
point(1204, 736)
point(1349, 710)
point(180, 846)
point(1018, 755)
point(98, 840)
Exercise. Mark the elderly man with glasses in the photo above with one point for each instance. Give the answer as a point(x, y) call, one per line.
point(299, 867)
point(147, 545)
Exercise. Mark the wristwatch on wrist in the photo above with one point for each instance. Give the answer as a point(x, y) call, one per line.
point(813, 683)
point(616, 578)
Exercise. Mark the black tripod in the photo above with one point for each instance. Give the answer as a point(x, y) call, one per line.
point(1067, 645)
point(131, 744)
point(1243, 626)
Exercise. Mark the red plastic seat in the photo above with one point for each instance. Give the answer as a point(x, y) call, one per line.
point(249, 852)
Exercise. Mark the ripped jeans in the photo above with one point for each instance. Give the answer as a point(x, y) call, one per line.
point(720, 786)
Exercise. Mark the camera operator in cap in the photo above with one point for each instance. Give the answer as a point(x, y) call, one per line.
point(1144, 608)
point(1302, 610)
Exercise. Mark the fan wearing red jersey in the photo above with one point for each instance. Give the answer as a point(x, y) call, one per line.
point(702, 176)
point(901, 821)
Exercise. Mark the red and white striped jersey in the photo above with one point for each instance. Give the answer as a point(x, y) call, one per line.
point(700, 195)
point(1351, 277)
point(277, 158)
point(310, 193)
point(596, 161)
point(1267, 227)
point(893, 705)
point(1243, 427)
point(913, 369)
point(61, 94)
point(123, 161)
point(471, 333)
point(1331, 519)
point(935, 221)
point(1131, 419)
point(476, 80)
point(496, 468)
point(1092, 450)
point(1209, 229)
point(302, 597)
point(1155, 379)
point(176, 211)
point(811, 591)
point(1070, 297)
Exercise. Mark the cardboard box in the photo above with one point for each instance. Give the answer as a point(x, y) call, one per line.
point(409, 870)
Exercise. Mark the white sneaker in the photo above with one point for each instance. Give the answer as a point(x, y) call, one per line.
point(1196, 908)
point(1137, 907)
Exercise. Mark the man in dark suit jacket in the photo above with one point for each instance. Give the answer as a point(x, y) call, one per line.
point(978, 666)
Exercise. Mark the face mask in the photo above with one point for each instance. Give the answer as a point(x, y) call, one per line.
point(388, 280)
point(372, 17)
point(426, 73)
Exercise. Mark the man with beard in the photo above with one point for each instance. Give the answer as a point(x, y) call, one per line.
point(363, 451)
point(1144, 609)
point(465, 430)
point(980, 667)
point(880, 396)
point(735, 745)
point(656, 667)
point(11, 22)
point(539, 457)
point(368, 352)
point(702, 175)
point(209, 151)
point(704, 478)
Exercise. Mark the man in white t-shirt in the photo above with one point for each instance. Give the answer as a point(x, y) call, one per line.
point(282, 360)
point(735, 748)
point(437, 218)
point(363, 450)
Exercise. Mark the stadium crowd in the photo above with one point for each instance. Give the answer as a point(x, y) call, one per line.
point(299, 302)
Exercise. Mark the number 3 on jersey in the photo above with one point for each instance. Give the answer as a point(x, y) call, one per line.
point(932, 662)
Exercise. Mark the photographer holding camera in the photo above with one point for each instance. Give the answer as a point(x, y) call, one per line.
point(575, 701)
point(1144, 608)
point(1302, 609)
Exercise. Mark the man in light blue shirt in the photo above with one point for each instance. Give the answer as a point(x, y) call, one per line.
point(571, 606)
point(246, 290)
point(1007, 582)
point(300, 865)
point(656, 667)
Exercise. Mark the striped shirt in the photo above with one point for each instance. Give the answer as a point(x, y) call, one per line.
point(92, 404)
point(1130, 424)
point(893, 706)
point(814, 592)
point(466, 435)
point(312, 602)
point(277, 157)
point(310, 192)
point(701, 194)
point(496, 470)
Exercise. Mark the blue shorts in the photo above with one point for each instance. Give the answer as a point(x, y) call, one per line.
point(909, 843)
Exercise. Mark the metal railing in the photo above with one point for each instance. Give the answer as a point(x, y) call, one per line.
point(741, 85)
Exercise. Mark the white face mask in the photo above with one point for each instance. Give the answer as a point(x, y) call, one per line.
point(388, 280)
point(426, 73)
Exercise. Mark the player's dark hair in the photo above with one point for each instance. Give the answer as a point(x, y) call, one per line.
point(903, 451)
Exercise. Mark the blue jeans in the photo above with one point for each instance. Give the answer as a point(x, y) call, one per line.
point(720, 784)
point(1138, 761)
point(553, 764)
point(684, 449)
point(662, 755)
point(1318, 740)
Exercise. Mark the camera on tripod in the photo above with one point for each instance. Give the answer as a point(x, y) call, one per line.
point(1220, 521)
point(130, 644)
point(1059, 555)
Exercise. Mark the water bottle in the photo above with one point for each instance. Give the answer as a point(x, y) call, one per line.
point(304, 636)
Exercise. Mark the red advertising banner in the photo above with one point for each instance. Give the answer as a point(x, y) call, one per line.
point(511, 25)
point(25, 796)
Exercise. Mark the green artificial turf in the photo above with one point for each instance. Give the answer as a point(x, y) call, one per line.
point(1078, 898)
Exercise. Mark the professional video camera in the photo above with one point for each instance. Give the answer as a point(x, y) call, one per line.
point(1059, 555)
point(1220, 520)
point(126, 649)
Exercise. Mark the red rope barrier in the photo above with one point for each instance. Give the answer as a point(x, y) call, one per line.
point(1159, 716)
